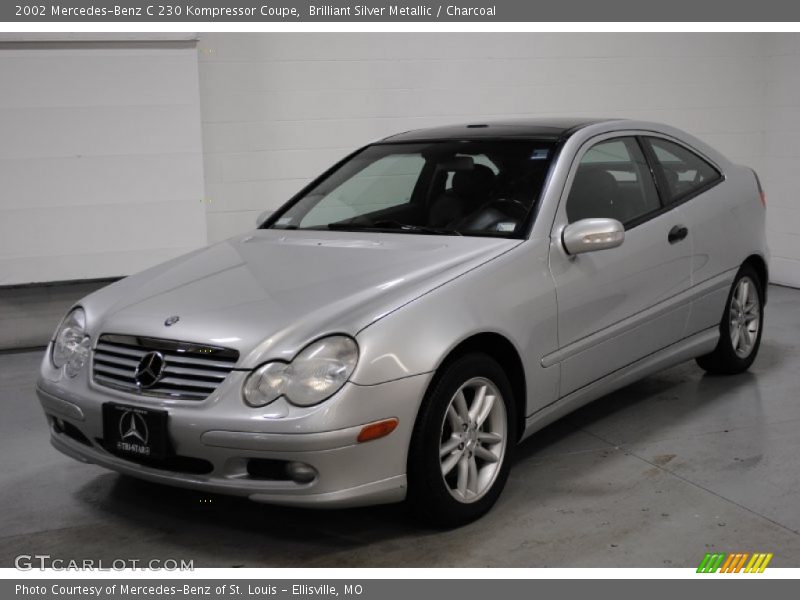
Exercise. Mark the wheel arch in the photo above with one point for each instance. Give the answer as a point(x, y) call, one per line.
point(760, 265)
point(500, 348)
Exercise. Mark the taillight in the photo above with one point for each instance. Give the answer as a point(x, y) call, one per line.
point(762, 195)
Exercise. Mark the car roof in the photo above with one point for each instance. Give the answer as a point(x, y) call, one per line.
point(540, 129)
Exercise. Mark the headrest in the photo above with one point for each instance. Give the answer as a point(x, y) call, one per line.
point(594, 181)
point(475, 183)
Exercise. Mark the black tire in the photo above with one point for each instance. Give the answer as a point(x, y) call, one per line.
point(725, 360)
point(429, 495)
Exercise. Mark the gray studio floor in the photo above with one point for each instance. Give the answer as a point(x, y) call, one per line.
point(654, 475)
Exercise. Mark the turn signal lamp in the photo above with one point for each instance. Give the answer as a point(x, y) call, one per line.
point(377, 430)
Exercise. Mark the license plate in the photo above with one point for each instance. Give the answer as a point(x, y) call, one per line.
point(134, 431)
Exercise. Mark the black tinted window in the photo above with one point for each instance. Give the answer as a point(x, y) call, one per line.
point(613, 181)
point(683, 171)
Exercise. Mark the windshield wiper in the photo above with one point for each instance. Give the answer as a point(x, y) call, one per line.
point(392, 226)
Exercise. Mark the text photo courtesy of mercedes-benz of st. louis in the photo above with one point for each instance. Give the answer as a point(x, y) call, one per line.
point(397, 328)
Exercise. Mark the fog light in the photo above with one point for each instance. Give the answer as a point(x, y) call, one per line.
point(301, 472)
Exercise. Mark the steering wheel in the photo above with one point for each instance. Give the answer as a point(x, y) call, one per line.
point(491, 214)
point(515, 209)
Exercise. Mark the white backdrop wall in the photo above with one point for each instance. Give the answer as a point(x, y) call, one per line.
point(780, 165)
point(279, 108)
point(100, 154)
point(100, 134)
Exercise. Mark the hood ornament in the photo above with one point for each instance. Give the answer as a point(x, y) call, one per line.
point(172, 320)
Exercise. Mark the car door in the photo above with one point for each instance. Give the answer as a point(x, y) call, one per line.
point(618, 305)
point(691, 181)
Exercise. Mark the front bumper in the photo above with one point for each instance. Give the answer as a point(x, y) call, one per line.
point(225, 434)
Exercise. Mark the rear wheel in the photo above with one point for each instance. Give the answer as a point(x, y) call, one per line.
point(741, 326)
point(462, 443)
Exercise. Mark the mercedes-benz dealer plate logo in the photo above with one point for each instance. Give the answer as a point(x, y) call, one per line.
point(133, 428)
point(150, 369)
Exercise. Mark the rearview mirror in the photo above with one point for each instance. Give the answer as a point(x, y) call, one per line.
point(263, 217)
point(588, 235)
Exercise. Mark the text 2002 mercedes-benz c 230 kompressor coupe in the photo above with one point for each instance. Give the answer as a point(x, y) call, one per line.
point(395, 329)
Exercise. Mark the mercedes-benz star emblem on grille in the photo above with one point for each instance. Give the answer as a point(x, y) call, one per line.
point(150, 369)
point(172, 320)
point(132, 426)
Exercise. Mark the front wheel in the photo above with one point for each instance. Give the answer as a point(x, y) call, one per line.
point(741, 326)
point(462, 442)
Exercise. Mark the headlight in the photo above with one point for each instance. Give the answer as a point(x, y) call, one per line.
point(317, 373)
point(71, 345)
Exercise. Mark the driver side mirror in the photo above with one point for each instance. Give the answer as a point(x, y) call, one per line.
point(263, 217)
point(588, 235)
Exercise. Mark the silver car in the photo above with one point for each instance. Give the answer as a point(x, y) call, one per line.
point(394, 330)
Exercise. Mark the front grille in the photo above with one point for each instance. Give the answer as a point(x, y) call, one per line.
point(71, 431)
point(191, 371)
point(176, 464)
point(268, 469)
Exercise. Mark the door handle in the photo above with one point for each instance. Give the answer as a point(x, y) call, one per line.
point(677, 233)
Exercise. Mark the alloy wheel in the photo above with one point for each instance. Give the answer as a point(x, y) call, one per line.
point(473, 440)
point(745, 317)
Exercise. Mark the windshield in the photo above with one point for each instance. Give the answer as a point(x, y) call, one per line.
point(448, 188)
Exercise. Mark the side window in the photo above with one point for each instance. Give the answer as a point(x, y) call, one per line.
point(612, 181)
point(383, 184)
point(684, 171)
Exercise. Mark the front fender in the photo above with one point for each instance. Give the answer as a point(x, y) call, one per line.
point(512, 295)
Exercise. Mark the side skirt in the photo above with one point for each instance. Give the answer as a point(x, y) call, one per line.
point(687, 348)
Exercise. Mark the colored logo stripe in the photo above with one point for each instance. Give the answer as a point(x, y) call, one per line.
point(711, 562)
point(734, 563)
point(758, 563)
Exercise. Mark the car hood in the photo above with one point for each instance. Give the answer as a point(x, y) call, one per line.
point(269, 293)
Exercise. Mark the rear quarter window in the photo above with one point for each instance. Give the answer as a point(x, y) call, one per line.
point(683, 172)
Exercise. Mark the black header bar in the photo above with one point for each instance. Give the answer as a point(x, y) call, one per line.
point(150, 11)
